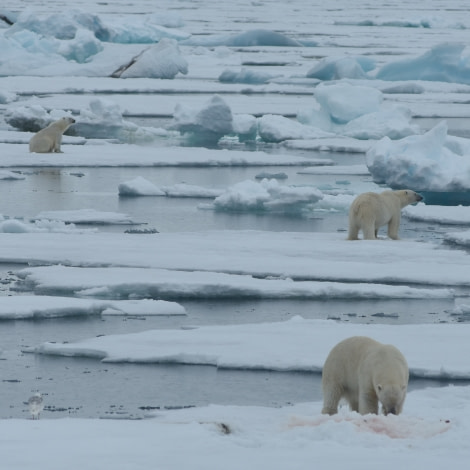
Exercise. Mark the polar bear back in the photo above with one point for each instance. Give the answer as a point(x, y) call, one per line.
point(365, 373)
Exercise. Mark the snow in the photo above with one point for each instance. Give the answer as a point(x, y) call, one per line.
point(304, 106)
point(432, 434)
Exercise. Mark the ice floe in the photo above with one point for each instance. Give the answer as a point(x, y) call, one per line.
point(297, 345)
point(43, 306)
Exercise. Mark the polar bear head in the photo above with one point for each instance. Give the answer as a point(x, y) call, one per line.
point(392, 397)
point(63, 123)
point(407, 196)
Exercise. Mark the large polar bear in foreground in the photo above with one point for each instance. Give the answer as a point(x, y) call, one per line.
point(49, 139)
point(369, 211)
point(364, 372)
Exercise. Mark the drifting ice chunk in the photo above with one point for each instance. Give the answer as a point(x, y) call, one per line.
point(139, 187)
point(245, 126)
point(421, 162)
point(332, 68)
point(443, 63)
point(273, 128)
point(60, 25)
point(81, 48)
point(103, 120)
point(163, 60)
point(256, 37)
point(7, 97)
point(245, 76)
point(345, 102)
point(32, 118)
point(208, 124)
point(393, 123)
point(267, 195)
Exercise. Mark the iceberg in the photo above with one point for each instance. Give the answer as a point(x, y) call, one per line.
point(443, 63)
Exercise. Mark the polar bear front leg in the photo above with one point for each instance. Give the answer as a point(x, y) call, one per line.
point(368, 402)
point(393, 227)
point(57, 143)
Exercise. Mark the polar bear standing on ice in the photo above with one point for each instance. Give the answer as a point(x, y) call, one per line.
point(369, 211)
point(364, 372)
point(49, 139)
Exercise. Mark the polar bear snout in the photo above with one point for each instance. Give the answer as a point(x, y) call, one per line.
point(412, 195)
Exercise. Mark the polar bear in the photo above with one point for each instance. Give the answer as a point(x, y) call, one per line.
point(369, 211)
point(364, 372)
point(49, 139)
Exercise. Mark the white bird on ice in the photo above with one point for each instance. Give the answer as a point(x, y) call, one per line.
point(36, 405)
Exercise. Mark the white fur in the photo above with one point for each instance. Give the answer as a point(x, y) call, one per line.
point(369, 211)
point(49, 139)
point(364, 372)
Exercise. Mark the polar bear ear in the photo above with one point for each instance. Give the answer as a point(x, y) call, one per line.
point(379, 388)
